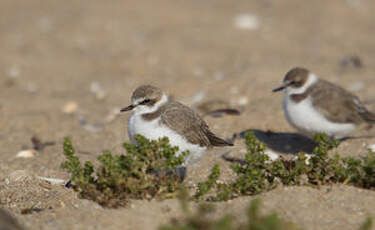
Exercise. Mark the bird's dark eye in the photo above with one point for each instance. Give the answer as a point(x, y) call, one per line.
point(145, 101)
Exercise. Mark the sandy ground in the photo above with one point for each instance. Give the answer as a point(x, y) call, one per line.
point(53, 52)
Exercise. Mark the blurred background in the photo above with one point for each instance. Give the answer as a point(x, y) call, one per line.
point(67, 67)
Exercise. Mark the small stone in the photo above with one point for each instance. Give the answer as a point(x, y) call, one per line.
point(97, 90)
point(246, 21)
point(28, 153)
point(243, 100)
point(70, 107)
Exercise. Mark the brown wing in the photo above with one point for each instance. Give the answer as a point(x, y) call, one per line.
point(337, 104)
point(187, 122)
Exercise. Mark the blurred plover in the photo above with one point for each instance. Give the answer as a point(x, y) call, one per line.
point(313, 105)
point(155, 116)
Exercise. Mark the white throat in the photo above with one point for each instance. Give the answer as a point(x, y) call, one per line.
point(311, 79)
point(142, 109)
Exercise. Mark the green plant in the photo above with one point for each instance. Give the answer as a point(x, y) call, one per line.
point(144, 172)
point(258, 174)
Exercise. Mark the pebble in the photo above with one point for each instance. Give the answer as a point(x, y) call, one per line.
point(70, 107)
point(246, 21)
point(97, 90)
point(28, 153)
point(242, 100)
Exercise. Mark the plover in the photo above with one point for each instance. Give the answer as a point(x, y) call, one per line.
point(155, 116)
point(313, 105)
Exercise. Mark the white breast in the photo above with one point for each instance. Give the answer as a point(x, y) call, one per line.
point(154, 130)
point(304, 117)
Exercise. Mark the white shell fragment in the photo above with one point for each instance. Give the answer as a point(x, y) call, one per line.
point(242, 100)
point(272, 155)
point(70, 107)
point(53, 181)
point(28, 153)
point(371, 148)
point(246, 21)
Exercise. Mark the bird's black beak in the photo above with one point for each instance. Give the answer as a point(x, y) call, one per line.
point(128, 108)
point(282, 87)
point(278, 89)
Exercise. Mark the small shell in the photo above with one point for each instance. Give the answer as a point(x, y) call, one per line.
point(28, 153)
point(246, 22)
point(70, 107)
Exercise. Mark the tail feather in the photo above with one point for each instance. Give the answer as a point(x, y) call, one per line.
point(216, 141)
point(368, 116)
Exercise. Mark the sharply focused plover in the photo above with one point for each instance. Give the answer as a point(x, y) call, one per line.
point(155, 116)
point(313, 105)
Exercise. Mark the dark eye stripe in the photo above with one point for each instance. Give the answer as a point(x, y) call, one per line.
point(144, 102)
